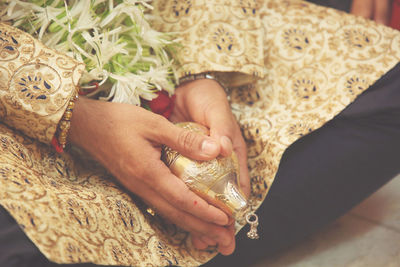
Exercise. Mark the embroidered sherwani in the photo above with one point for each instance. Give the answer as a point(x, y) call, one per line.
point(290, 67)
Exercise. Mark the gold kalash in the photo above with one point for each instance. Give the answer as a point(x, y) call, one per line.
point(216, 181)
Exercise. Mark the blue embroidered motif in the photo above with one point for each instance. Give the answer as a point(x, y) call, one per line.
point(34, 87)
point(8, 42)
point(181, 7)
point(223, 40)
point(296, 39)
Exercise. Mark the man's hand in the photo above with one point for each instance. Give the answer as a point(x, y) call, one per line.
point(378, 10)
point(127, 140)
point(204, 101)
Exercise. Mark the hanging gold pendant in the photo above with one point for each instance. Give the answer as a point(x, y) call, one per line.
point(252, 220)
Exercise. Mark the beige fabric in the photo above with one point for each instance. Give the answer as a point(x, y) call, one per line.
point(316, 61)
point(224, 36)
point(36, 84)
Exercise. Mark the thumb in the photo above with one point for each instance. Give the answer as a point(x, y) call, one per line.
point(190, 144)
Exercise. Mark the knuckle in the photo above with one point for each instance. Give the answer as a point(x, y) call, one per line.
point(152, 181)
point(175, 217)
point(162, 119)
point(187, 139)
point(145, 174)
point(216, 234)
point(179, 201)
point(156, 123)
point(180, 218)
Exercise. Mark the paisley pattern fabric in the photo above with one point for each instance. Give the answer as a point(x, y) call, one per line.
point(315, 62)
point(36, 84)
point(75, 212)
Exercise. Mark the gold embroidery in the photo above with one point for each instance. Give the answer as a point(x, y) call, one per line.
point(35, 83)
point(232, 28)
point(315, 60)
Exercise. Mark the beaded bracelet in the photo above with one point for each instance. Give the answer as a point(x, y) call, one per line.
point(60, 138)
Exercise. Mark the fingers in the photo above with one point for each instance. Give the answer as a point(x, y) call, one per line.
point(208, 241)
point(224, 127)
point(228, 249)
point(364, 8)
point(378, 10)
point(202, 242)
point(198, 243)
point(241, 152)
point(174, 191)
point(382, 11)
point(188, 143)
point(220, 235)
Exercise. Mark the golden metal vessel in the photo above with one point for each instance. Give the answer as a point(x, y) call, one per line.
point(217, 180)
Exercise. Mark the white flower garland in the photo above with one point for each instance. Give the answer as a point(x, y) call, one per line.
point(113, 39)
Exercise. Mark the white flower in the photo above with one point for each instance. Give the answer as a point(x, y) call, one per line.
point(113, 40)
point(105, 45)
point(154, 38)
point(129, 88)
point(158, 77)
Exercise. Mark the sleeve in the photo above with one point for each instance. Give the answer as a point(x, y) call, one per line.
point(219, 36)
point(36, 84)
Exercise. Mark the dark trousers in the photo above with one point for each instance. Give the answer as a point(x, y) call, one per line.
point(343, 5)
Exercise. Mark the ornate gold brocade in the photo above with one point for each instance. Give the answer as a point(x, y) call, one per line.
point(225, 36)
point(36, 83)
point(315, 60)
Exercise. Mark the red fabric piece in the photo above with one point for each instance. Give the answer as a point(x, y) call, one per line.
point(163, 104)
point(395, 19)
point(88, 91)
point(56, 145)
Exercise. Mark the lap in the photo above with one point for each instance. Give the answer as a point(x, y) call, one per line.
point(305, 87)
point(320, 176)
point(74, 211)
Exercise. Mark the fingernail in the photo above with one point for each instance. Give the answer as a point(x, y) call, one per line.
point(226, 144)
point(222, 220)
point(209, 147)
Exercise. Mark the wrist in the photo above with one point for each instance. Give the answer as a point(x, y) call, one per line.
point(203, 77)
point(202, 85)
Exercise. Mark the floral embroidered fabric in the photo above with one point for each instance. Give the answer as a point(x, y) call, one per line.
point(315, 62)
point(36, 83)
point(216, 35)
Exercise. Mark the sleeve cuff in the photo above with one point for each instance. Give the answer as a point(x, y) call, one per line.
point(215, 37)
point(37, 84)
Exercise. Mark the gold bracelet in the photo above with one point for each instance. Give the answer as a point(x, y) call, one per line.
point(65, 122)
